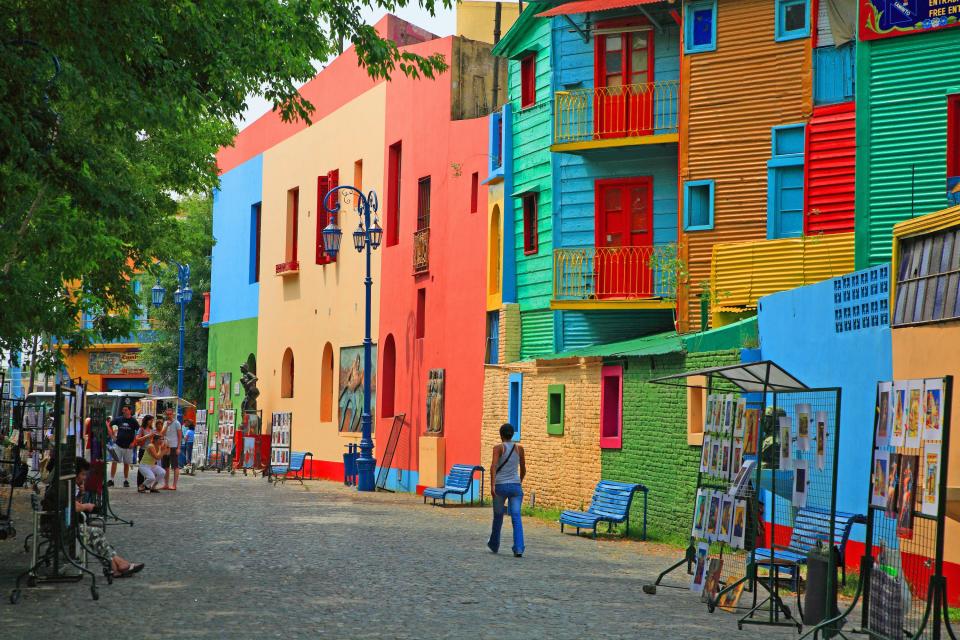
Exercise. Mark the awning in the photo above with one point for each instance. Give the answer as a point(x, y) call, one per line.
point(751, 377)
point(591, 6)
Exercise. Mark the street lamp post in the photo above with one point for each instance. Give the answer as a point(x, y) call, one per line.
point(366, 238)
point(181, 297)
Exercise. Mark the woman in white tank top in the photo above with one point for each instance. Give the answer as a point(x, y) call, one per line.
point(506, 475)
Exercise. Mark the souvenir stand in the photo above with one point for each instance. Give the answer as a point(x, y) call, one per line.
point(903, 587)
point(281, 426)
point(96, 483)
point(768, 462)
point(226, 436)
point(199, 459)
point(251, 445)
point(56, 549)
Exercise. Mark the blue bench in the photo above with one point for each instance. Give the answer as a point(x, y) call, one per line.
point(297, 460)
point(458, 482)
point(611, 504)
point(811, 526)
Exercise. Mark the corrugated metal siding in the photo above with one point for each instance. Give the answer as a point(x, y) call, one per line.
point(902, 84)
point(831, 169)
point(745, 271)
point(732, 98)
point(585, 328)
point(536, 333)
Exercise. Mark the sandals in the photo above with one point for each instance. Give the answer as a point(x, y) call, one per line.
point(142, 489)
point(129, 571)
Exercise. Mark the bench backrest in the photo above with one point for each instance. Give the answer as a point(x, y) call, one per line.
point(813, 525)
point(612, 499)
point(296, 460)
point(461, 475)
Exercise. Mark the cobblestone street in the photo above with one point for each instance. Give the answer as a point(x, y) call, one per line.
point(235, 557)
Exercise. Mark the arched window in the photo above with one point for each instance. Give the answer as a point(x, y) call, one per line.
point(286, 373)
point(388, 377)
point(326, 384)
point(493, 260)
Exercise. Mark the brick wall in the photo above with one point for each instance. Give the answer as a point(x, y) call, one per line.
point(655, 450)
point(509, 333)
point(562, 470)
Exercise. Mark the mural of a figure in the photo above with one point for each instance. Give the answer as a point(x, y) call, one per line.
point(351, 387)
point(250, 392)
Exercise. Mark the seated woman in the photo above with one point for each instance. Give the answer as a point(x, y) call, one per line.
point(96, 539)
point(153, 473)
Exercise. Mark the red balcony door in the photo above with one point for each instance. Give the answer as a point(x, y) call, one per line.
point(624, 228)
point(623, 101)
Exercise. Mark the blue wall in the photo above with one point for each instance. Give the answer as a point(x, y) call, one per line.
point(798, 332)
point(232, 295)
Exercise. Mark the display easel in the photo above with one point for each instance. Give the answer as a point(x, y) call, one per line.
point(774, 394)
point(281, 438)
point(98, 465)
point(903, 587)
point(62, 530)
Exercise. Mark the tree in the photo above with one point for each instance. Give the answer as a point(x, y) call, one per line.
point(107, 110)
point(192, 235)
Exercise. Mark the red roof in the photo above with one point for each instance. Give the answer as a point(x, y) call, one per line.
point(590, 6)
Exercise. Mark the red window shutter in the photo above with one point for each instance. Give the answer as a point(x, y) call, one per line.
point(323, 218)
point(953, 136)
point(528, 80)
point(296, 223)
point(530, 240)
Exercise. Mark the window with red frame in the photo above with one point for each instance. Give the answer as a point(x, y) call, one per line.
point(293, 224)
point(528, 81)
point(393, 194)
point(324, 185)
point(530, 240)
point(953, 136)
point(474, 191)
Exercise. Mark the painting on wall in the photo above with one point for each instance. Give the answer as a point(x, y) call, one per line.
point(350, 392)
point(117, 363)
point(211, 380)
point(226, 399)
point(435, 401)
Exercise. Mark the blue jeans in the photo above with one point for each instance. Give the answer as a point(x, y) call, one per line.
point(512, 495)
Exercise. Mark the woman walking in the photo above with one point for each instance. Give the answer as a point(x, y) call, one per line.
point(506, 475)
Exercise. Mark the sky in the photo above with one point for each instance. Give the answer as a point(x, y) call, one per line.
point(442, 24)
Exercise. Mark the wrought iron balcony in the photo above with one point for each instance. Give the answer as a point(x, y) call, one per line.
point(616, 275)
point(421, 250)
point(629, 114)
point(288, 268)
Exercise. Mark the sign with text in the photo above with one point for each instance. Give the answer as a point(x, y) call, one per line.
point(890, 18)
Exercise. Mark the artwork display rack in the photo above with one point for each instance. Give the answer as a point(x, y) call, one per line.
point(199, 458)
point(773, 496)
point(902, 591)
point(281, 438)
point(98, 464)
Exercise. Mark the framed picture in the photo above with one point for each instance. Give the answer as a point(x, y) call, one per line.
point(881, 464)
point(930, 503)
point(699, 511)
point(726, 519)
point(713, 517)
point(728, 410)
point(751, 425)
point(800, 481)
point(786, 442)
point(211, 380)
point(738, 533)
point(914, 399)
point(932, 409)
point(700, 568)
point(821, 420)
point(803, 427)
point(708, 414)
point(705, 453)
point(898, 428)
point(725, 460)
point(742, 480)
point(893, 485)
point(883, 414)
point(909, 467)
point(738, 425)
point(711, 584)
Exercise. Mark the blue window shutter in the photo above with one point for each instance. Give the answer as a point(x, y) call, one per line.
point(515, 403)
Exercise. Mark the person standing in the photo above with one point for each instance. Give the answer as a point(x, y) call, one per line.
point(186, 451)
point(171, 461)
point(123, 430)
point(507, 470)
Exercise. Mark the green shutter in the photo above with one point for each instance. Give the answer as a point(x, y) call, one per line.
point(556, 399)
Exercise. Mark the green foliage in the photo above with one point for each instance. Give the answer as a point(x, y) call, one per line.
point(107, 110)
point(192, 235)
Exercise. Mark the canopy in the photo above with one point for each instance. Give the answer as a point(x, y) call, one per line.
point(749, 377)
point(591, 6)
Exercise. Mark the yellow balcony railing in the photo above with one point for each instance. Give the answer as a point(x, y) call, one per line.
point(609, 113)
point(421, 250)
point(615, 273)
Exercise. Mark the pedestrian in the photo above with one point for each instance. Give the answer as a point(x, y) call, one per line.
point(507, 471)
point(171, 462)
point(153, 473)
point(144, 437)
point(186, 451)
point(123, 430)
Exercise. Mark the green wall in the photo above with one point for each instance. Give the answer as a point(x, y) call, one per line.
point(229, 345)
point(901, 132)
point(655, 452)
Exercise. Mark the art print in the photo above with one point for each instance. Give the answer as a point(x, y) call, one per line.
point(881, 464)
point(708, 414)
point(729, 409)
point(800, 482)
point(249, 452)
point(730, 599)
point(915, 397)
point(714, 458)
point(350, 390)
point(803, 426)
point(737, 456)
point(699, 513)
point(211, 380)
point(725, 460)
point(899, 414)
point(705, 454)
point(700, 568)
point(711, 584)
point(224, 393)
point(211, 404)
point(786, 442)
point(933, 410)
point(717, 416)
point(882, 436)
point(738, 420)
point(742, 480)
point(821, 419)
point(751, 420)
point(893, 485)
point(713, 517)
point(726, 519)
point(930, 503)
point(907, 495)
point(738, 532)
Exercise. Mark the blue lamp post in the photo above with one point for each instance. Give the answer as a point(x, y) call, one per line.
point(367, 237)
point(182, 297)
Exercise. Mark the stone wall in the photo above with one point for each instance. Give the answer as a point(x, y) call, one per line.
point(562, 470)
point(655, 452)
